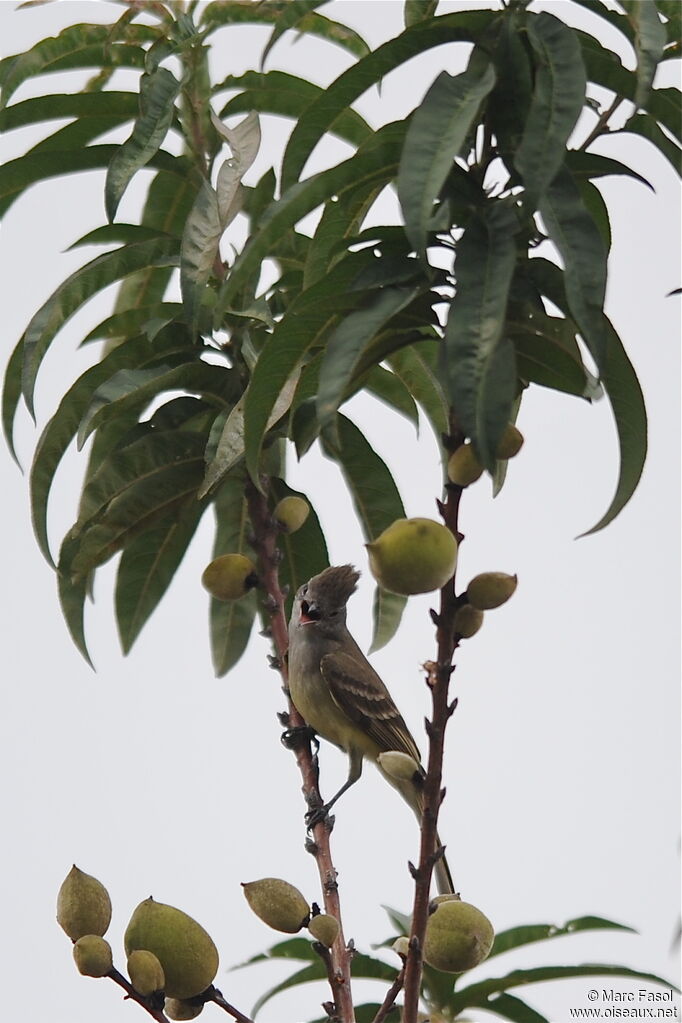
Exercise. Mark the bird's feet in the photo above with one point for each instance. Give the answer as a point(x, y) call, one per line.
point(319, 814)
point(293, 738)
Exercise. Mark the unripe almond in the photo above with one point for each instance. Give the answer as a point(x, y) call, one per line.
point(229, 577)
point(83, 905)
point(145, 972)
point(511, 442)
point(468, 621)
point(413, 556)
point(291, 512)
point(397, 765)
point(458, 937)
point(92, 954)
point(279, 904)
point(324, 928)
point(401, 946)
point(490, 590)
point(463, 466)
point(176, 1009)
point(185, 950)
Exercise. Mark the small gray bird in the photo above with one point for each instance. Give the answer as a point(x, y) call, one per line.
point(340, 695)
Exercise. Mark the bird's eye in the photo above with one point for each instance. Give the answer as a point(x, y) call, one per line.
point(303, 590)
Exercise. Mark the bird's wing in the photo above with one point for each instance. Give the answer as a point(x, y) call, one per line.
point(363, 697)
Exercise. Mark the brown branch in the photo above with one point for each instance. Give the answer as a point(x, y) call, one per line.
point(265, 545)
point(391, 995)
point(438, 680)
point(601, 127)
point(217, 997)
point(146, 1001)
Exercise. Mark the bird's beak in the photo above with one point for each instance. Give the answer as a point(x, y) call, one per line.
point(309, 613)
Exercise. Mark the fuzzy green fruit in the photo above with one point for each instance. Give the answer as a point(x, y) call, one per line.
point(511, 442)
point(290, 513)
point(279, 904)
point(176, 1009)
point(229, 577)
point(463, 466)
point(145, 972)
point(468, 621)
point(458, 937)
point(83, 905)
point(413, 556)
point(92, 954)
point(324, 928)
point(188, 957)
point(490, 590)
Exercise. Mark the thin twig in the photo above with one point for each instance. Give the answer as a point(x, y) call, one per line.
point(143, 1000)
point(602, 124)
point(265, 544)
point(438, 679)
point(391, 995)
point(217, 997)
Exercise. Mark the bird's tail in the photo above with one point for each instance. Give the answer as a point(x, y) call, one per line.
point(410, 789)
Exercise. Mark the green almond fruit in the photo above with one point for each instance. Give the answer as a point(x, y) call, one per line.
point(324, 928)
point(92, 955)
point(278, 904)
point(176, 1009)
point(464, 467)
point(229, 577)
point(145, 972)
point(290, 513)
point(413, 556)
point(83, 905)
point(468, 621)
point(187, 954)
point(490, 590)
point(458, 937)
point(511, 442)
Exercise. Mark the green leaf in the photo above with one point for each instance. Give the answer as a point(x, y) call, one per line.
point(120, 326)
point(593, 201)
point(131, 387)
point(416, 367)
point(76, 46)
point(584, 164)
point(147, 568)
point(72, 594)
point(547, 354)
point(305, 551)
point(376, 163)
point(95, 106)
point(558, 97)
point(290, 16)
point(436, 134)
point(231, 621)
point(381, 383)
point(315, 971)
point(507, 109)
point(77, 289)
point(158, 92)
point(646, 126)
point(415, 11)
point(479, 994)
point(349, 340)
point(309, 317)
point(62, 427)
point(200, 241)
point(509, 1007)
point(462, 26)
point(377, 504)
point(527, 934)
point(11, 393)
point(227, 12)
point(293, 948)
point(627, 402)
point(340, 221)
point(650, 39)
point(480, 372)
point(147, 481)
point(579, 243)
point(387, 613)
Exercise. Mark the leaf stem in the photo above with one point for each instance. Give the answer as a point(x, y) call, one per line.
point(265, 545)
point(601, 127)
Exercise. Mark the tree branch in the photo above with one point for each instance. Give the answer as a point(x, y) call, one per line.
point(265, 545)
point(146, 1001)
point(602, 124)
point(391, 995)
point(217, 997)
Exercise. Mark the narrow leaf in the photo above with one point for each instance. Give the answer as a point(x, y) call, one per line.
point(582, 250)
point(387, 613)
point(558, 97)
point(650, 39)
point(147, 567)
point(77, 289)
point(415, 11)
point(120, 326)
point(416, 367)
point(461, 26)
point(381, 383)
point(348, 342)
point(511, 1008)
point(158, 92)
point(377, 504)
point(527, 934)
point(72, 594)
point(583, 164)
point(646, 126)
point(593, 201)
point(11, 393)
point(231, 621)
point(81, 105)
point(480, 372)
point(290, 16)
point(436, 134)
point(200, 240)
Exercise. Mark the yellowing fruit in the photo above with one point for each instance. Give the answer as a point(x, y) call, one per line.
point(463, 466)
point(490, 590)
point(188, 957)
point(413, 556)
point(290, 513)
point(279, 904)
point(83, 905)
point(229, 577)
point(511, 442)
point(458, 937)
point(324, 928)
point(92, 954)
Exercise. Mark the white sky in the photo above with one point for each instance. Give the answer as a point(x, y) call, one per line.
point(563, 763)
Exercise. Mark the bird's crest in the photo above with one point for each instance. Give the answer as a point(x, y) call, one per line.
point(334, 586)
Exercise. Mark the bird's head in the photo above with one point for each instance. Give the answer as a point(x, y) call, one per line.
point(321, 602)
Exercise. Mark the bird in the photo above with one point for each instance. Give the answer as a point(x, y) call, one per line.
point(342, 698)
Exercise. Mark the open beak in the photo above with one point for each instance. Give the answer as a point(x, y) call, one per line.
point(309, 613)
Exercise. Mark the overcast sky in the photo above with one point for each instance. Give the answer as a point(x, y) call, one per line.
point(563, 763)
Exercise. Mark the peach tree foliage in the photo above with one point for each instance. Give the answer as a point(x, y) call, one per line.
point(490, 167)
